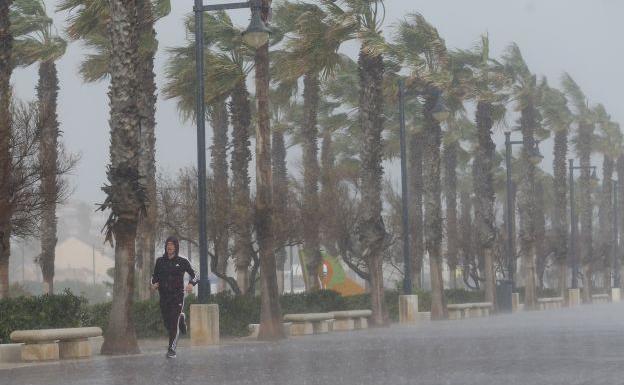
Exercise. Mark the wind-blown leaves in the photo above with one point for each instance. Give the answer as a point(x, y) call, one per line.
point(34, 33)
point(554, 106)
point(227, 61)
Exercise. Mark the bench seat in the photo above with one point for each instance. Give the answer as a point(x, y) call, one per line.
point(351, 319)
point(600, 298)
point(550, 303)
point(42, 345)
point(310, 323)
point(469, 310)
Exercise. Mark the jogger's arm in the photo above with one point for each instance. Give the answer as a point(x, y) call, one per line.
point(189, 269)
point(156, 275)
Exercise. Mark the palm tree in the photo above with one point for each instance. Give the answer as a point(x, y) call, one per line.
point(485, 80)
point(41, 45)
point(527, 95)
point(584, 139)
point(331, 122)
point(241, 203)
point(367, 16)
point(220, 221)
point(125, 194)
point(459, 129)
point(6, 68)
point(89, 22)
point(270, 314)
point(146, 232)
point(416, 188)
point(311, 53)
point(609, 143)
point(557, 117)
point(423, 50)
point(282, 109)
point(620, 193)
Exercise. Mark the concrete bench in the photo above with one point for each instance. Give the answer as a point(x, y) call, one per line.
point(550, 303)
point(351, 319)
point(423, 316)
point(310, 323)
point(254, 329)
point(600, 298)
point(469, 310)
point(52, 344)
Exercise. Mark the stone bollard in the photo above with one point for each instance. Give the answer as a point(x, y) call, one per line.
point(615, 294)
point(574, 297)
point(408, 309)
point(515, 302)
point(204, 324)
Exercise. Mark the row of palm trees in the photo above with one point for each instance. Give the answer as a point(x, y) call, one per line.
point(338, 206)
point(307, 40)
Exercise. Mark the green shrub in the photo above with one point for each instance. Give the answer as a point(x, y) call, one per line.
point(321, 301)
point(43, 312)
point(464, 296)
point(235, 313)
point(541, 293)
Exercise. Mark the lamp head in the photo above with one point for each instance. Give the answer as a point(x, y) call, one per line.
point(535, 155)
point(257, 33)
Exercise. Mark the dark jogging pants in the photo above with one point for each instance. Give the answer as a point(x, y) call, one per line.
point(171, 305)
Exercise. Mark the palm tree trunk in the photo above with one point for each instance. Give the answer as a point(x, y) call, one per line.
point(120, 335)
point(6, 211)
point(605, 220)
point(219, 166)
point(311, 248)
point(270, 314)
point(47, 92)
point(620, 213)
point(450, 193)
point(584, 148)
point(527, 205)
point(241, 204)
point(466, 239)
point(372, 230)
point(483, 176)
point(416, 148)
point(146, 232)
point(124, 195)
point(433, 208)
point(329, 195)
point(559, 219)
point(540, 233)
point(280, 197)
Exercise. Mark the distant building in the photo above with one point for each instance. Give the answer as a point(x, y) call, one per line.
point(76, 260)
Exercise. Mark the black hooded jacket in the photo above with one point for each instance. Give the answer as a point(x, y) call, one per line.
point(169, 272)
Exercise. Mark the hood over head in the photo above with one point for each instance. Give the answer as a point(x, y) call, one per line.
point(175, 242)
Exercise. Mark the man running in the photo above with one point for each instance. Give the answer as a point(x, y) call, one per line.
point(168, 278)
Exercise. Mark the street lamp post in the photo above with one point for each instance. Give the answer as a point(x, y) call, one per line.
point(256, 35)
point(407, 283)
point(509, 246)
point(616, 241)
point(572, 255)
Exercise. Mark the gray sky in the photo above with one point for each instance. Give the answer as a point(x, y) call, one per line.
point(582, 37)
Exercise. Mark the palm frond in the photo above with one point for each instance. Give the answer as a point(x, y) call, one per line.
point(574, 93)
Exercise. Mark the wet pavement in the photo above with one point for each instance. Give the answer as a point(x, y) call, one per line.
point(583, 345)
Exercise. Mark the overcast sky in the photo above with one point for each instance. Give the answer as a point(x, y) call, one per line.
point(582, 37)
